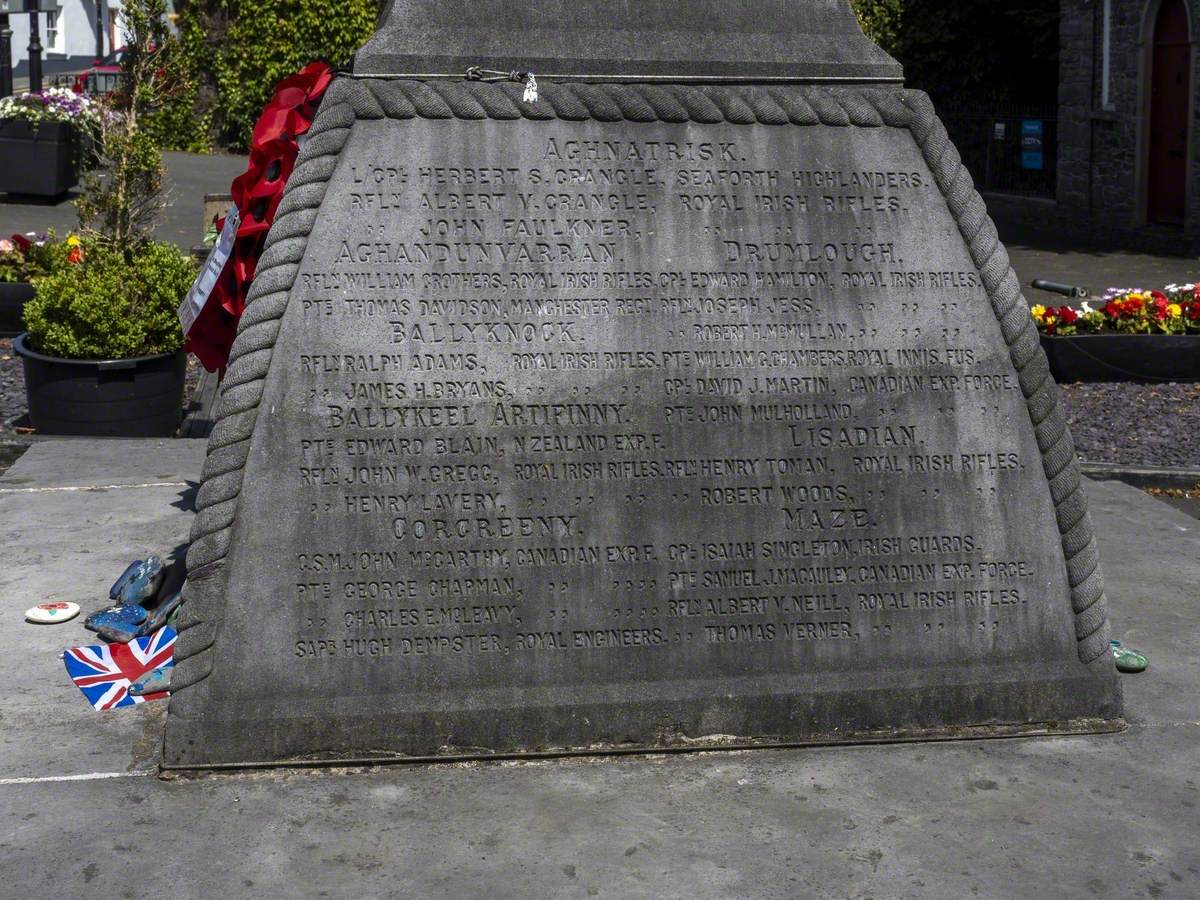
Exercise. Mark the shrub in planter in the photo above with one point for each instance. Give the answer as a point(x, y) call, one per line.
point(1136, 335)
point(103, 351)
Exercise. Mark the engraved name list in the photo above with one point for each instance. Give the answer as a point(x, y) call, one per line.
point(711, 400)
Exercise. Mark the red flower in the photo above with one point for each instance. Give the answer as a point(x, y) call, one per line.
point(1067, 315)
point(23, 243)
point(75, 256)
point(1158, 307)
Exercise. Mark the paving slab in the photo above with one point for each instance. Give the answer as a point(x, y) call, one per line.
point(1094, 816)
point(73, 514)
point(95, 464)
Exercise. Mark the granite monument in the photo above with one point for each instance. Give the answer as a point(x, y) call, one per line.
point(686, 400)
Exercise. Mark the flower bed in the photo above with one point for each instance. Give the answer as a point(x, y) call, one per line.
point(1174, 310)
point(24, 257)
point(1136, 335)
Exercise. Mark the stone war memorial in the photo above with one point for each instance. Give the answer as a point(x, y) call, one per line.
point(680, 395)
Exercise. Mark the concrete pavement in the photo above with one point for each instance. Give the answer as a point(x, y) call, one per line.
point(1099, 816)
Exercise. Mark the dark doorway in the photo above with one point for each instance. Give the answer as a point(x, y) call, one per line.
point(1170, 89)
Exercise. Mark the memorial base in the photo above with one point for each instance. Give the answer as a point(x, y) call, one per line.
point(628, 417)
point(657, 717)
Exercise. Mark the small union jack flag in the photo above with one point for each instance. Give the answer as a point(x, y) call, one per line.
point(105, 673)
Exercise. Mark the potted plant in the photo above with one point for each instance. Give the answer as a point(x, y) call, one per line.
point(1136, 335)
point(23, 257)
point(43, 139)
point(103, 350)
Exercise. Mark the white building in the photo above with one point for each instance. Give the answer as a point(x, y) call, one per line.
point(68, 34)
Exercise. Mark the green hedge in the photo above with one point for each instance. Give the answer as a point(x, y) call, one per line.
point(976, 51)
point(238, 50)
point(881, 20)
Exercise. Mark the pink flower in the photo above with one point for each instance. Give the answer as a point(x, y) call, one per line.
point(7, 246)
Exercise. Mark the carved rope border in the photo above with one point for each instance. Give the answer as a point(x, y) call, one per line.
point(349, 100)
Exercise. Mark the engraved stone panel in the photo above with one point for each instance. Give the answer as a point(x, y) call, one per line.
point(562, 434)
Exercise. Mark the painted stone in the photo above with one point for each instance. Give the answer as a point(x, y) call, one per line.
point(52, 613)
point(627, 418)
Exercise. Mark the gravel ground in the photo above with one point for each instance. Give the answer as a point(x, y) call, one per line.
point(12, 386)
point(1129, 424)
point(1135, 424)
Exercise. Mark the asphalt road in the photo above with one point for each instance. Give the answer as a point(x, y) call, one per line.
point(189, 177)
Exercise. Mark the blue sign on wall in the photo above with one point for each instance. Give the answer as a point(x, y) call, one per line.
point(1032, 144)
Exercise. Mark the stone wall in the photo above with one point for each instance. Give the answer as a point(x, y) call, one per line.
point(1099, 166)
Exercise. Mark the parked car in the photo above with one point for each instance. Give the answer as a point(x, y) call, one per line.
point(102, 76)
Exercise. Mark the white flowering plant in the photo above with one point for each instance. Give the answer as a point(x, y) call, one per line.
point(54, 105)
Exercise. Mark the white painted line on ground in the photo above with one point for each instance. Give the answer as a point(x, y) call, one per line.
point(94, 487)
point(91, 776)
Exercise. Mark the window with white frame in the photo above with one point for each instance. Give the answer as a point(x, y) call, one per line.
point(55, 36)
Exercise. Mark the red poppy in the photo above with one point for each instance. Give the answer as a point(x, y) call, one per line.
point(290, 112)
point(257, 194)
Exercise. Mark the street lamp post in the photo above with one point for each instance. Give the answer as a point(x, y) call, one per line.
point(35, 45)
point(6, 78)
point(100, 29)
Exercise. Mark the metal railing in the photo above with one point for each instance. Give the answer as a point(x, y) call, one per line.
point(102, 82)
point(1007, 148)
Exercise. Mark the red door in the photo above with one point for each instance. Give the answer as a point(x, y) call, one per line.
point(1169, 115)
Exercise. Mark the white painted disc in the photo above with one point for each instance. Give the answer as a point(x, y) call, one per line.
point(50, 613)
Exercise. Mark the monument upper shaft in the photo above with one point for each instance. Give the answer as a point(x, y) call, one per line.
point(628, 40)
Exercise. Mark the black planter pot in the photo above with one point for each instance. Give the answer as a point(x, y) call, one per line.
point(140, 397)
point(37, 160)
point(12, 306)
point(1124, 357)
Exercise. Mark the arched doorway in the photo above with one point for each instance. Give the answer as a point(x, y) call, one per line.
point(1170, 115)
